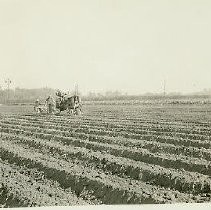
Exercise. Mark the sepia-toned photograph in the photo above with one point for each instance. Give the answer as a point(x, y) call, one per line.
point(105, 102)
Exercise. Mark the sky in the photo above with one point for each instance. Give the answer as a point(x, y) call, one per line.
point(126, 45)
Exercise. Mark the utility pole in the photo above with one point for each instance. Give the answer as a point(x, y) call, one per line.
point(8, 82)
point(76, 89)
point(164, 88)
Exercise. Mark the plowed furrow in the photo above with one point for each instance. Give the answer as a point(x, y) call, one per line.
point(116, 127)
point(143, 155)
point(92, 136)
point(168, 132)
point(182, 181)
point(153, 146)
point(108, 189)
point(24, 187)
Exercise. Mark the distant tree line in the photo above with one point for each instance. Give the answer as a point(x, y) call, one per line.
point(21, 95)
point(117, 95)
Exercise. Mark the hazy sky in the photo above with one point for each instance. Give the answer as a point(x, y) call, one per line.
point(128, 45)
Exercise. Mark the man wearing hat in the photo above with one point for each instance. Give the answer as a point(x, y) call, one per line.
point(50, 104)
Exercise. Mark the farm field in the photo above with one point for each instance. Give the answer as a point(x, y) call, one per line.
point(112, 154)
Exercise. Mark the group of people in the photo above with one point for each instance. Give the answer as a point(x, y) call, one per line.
point(63, 102)
point(49, 104)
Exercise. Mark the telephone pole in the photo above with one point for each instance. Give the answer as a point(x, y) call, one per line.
point(164, 88)
point(76, 89)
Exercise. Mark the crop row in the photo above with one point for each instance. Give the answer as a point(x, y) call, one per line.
point(149, 115)
point(110, 189)
point(141, 120)
point(24, 187)
point(153, 126)
point(117, 129)
point(152, 146)
point(188, 133)
point(143, 155)
point(153, 143)
point(182, 181)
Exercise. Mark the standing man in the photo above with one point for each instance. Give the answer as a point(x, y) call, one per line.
point(37, 106)
point(50, 104)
